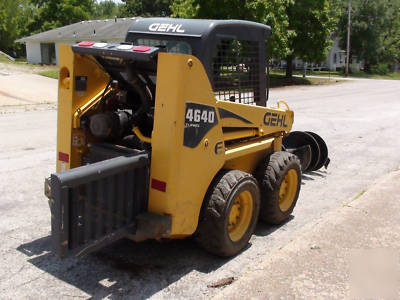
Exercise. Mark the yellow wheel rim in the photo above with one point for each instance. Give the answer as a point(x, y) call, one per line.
point(288, 190)
point(240, 216)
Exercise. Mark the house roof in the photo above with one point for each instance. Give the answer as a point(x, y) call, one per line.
point(93, 29)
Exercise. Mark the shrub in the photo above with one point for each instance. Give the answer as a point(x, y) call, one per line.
point(380, 69)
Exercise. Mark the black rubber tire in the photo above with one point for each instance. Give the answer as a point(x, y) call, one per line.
point(212, 232)
point(270, 175)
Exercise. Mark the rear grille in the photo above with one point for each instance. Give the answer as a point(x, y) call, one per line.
point(98, 203)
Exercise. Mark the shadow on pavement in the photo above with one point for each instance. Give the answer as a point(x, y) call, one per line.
point(124, 267)
point(135, 269)
point(264, 229)
point(309, 176)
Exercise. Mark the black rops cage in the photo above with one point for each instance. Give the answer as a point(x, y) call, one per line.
point(233, 52)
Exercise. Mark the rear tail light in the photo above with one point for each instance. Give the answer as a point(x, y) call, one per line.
point(141, 48)
point(85, 44)
point(158, 185)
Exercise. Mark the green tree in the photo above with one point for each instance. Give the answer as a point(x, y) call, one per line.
point(391, 42)
point(375, 33)
point(312, 23)
point(14, 15)
point(8, 24)
point(106, 10)
point(50, 14)
point(146, 8)
point(271, 12)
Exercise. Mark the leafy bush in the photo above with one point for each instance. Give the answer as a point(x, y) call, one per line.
point(380, 69)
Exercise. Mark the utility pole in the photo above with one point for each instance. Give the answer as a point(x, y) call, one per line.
point(348, 41)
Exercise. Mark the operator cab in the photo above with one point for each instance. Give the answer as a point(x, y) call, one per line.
point(232, 53)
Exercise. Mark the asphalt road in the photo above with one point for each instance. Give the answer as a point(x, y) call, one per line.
point(359, 121)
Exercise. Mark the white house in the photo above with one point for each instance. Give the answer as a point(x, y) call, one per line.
point(336, 60)
point(42, 48)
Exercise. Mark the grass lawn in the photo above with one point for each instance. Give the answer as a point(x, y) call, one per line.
point(50, 73)
point(393, 75)
point(19, 60)
point(21, 66)
point(279, 80)
point(276, 80)
point(4, 59)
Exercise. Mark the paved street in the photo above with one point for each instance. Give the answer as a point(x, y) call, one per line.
point(352, 253)
point(358, 119)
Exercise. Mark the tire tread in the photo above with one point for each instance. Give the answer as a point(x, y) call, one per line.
point(209, 233)
point(269, 175)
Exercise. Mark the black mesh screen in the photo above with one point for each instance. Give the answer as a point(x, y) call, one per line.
point(236, 71)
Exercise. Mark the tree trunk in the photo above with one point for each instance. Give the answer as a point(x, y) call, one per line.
point(367, 66)
point(289, 66)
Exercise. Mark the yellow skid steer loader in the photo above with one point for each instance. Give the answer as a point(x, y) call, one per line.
point(167, 135)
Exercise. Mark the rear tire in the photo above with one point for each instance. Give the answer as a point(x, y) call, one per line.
point(279, 179)
point(229, 214)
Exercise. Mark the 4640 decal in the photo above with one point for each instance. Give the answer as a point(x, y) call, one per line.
point(199, 115)
point(199, 119)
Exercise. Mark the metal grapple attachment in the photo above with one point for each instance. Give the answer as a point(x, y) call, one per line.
point(309, 147)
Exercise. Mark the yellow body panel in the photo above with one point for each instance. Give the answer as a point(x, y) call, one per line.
point(258, 116)
point(246, 156)
point(187, 171)
point(72, 142)
point(241, 137)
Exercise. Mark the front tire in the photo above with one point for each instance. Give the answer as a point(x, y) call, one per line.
point(279, 179)
point(229, 214)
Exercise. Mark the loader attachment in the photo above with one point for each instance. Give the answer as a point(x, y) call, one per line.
point(94, 205)
point(309, 147)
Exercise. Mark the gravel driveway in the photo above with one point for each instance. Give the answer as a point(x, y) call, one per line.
point(20, 85)
point(22, 89)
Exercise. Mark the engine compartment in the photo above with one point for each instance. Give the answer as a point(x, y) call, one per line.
point(127, 101)
point(123, 107)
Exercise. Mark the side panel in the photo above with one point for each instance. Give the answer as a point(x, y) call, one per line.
point(188, 170)
point(92, 81)
point(264, 127)
point(189, 148)
point(269, 120)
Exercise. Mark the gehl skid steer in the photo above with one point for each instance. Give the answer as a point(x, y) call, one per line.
point(167, 135)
